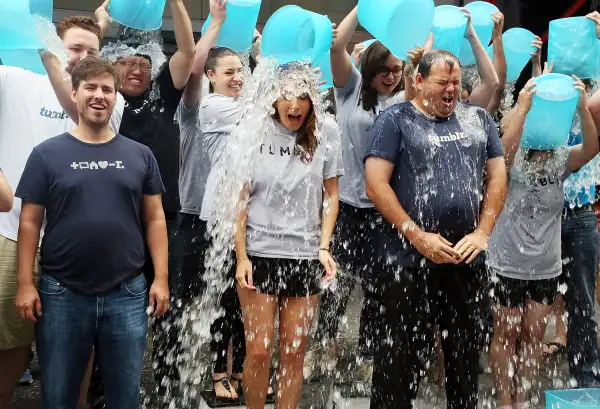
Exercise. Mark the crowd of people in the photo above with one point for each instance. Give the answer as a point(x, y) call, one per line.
point(413, 183)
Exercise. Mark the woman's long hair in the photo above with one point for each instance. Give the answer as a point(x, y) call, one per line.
point(306, 137)
point(372, 62)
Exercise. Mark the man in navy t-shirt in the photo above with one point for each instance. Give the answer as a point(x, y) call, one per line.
point(435, 171)
point(101, 194)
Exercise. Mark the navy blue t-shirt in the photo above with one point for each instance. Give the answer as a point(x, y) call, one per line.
point(439, 172)
point(92, 193)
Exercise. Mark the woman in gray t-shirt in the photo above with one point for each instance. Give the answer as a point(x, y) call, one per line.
point(524, 254)
point(286, 217)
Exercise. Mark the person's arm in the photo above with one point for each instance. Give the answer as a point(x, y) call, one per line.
point(193, 89)
point(180, 64)
point(155, 226)
point(482, 94)
point(499, 62)
point(536, 57)
point(341, 65)
point(6, 194)
point(102, 16)
point(61, 82)
point(27, 300)
point(330, 213)
point(581, 154)
point(243, 273)
point(493, 202)
point(516, 122)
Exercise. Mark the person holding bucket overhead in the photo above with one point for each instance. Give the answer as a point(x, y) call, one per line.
point(360, 96)
point(524, 255)
point(205, 124)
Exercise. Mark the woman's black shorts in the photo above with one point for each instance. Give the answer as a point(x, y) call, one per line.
point(286, 277)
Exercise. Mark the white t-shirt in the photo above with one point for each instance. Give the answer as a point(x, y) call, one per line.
point(29, 114)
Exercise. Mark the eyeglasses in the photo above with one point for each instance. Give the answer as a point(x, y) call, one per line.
point(385, 71)
point(133, 65)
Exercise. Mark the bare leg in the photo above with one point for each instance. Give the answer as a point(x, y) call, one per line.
point(558, 309)
point(258, 311)
point(507, 323)
point(296, 315)
point(530, 351)
point(13, 363)
point(85, 383)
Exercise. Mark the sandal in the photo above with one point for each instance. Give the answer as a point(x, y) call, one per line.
point(560, 349)
point(238, 385)
point(225, 382)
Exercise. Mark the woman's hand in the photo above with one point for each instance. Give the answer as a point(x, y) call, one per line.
point(327, 263)
point(243, 274)
point(578, 84)
point(526, 97)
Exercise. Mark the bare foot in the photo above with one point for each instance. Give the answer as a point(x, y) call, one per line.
point(223, 388)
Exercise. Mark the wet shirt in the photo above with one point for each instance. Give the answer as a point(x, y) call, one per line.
point(438, 174)
point(219, 114)
point(286, 194)
point(150, 120)
point(195, 163)
point(355, 124)
point(92, 194)
point(526, 243)
point(29, 114)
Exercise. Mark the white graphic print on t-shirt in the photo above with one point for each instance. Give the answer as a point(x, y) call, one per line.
point(102, 164)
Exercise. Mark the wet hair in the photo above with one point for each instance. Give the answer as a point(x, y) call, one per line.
point(85, 23)
point(91, 67)
point(306, 137)
point(436, 56)
point(212, 61)
point(529, 153)
point(371, 63)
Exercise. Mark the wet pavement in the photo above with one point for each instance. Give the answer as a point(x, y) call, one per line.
point(324, 393)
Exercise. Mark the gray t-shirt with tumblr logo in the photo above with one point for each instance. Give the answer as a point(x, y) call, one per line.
point(286, 195)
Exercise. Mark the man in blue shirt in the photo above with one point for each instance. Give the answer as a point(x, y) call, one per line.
point(438, 177)
point(101, 195)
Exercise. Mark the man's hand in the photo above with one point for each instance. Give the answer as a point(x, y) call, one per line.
point(498, 19)
point(435, 248)
point(536, 56)
point(28, 302)
point(595, 17)
point(526, 97)
point(159, 298)
point(471, 245)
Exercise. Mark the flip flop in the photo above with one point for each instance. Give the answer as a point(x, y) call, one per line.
point(238, 388)
point(225, 382)
point(560, 349)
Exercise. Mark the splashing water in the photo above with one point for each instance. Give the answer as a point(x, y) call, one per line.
point(52, 42)
point(115, 51)
point(261, 90)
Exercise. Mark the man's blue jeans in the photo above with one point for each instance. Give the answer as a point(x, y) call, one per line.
point(580, 253)
point(71, 323)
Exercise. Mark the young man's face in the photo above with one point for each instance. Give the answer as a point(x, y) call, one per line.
point(96, 98)
point(80, 43)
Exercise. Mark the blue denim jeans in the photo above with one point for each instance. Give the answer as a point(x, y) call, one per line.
point(580, 250)
point(71, 323)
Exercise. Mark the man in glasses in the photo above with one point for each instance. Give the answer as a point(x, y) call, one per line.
point(149, 115)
